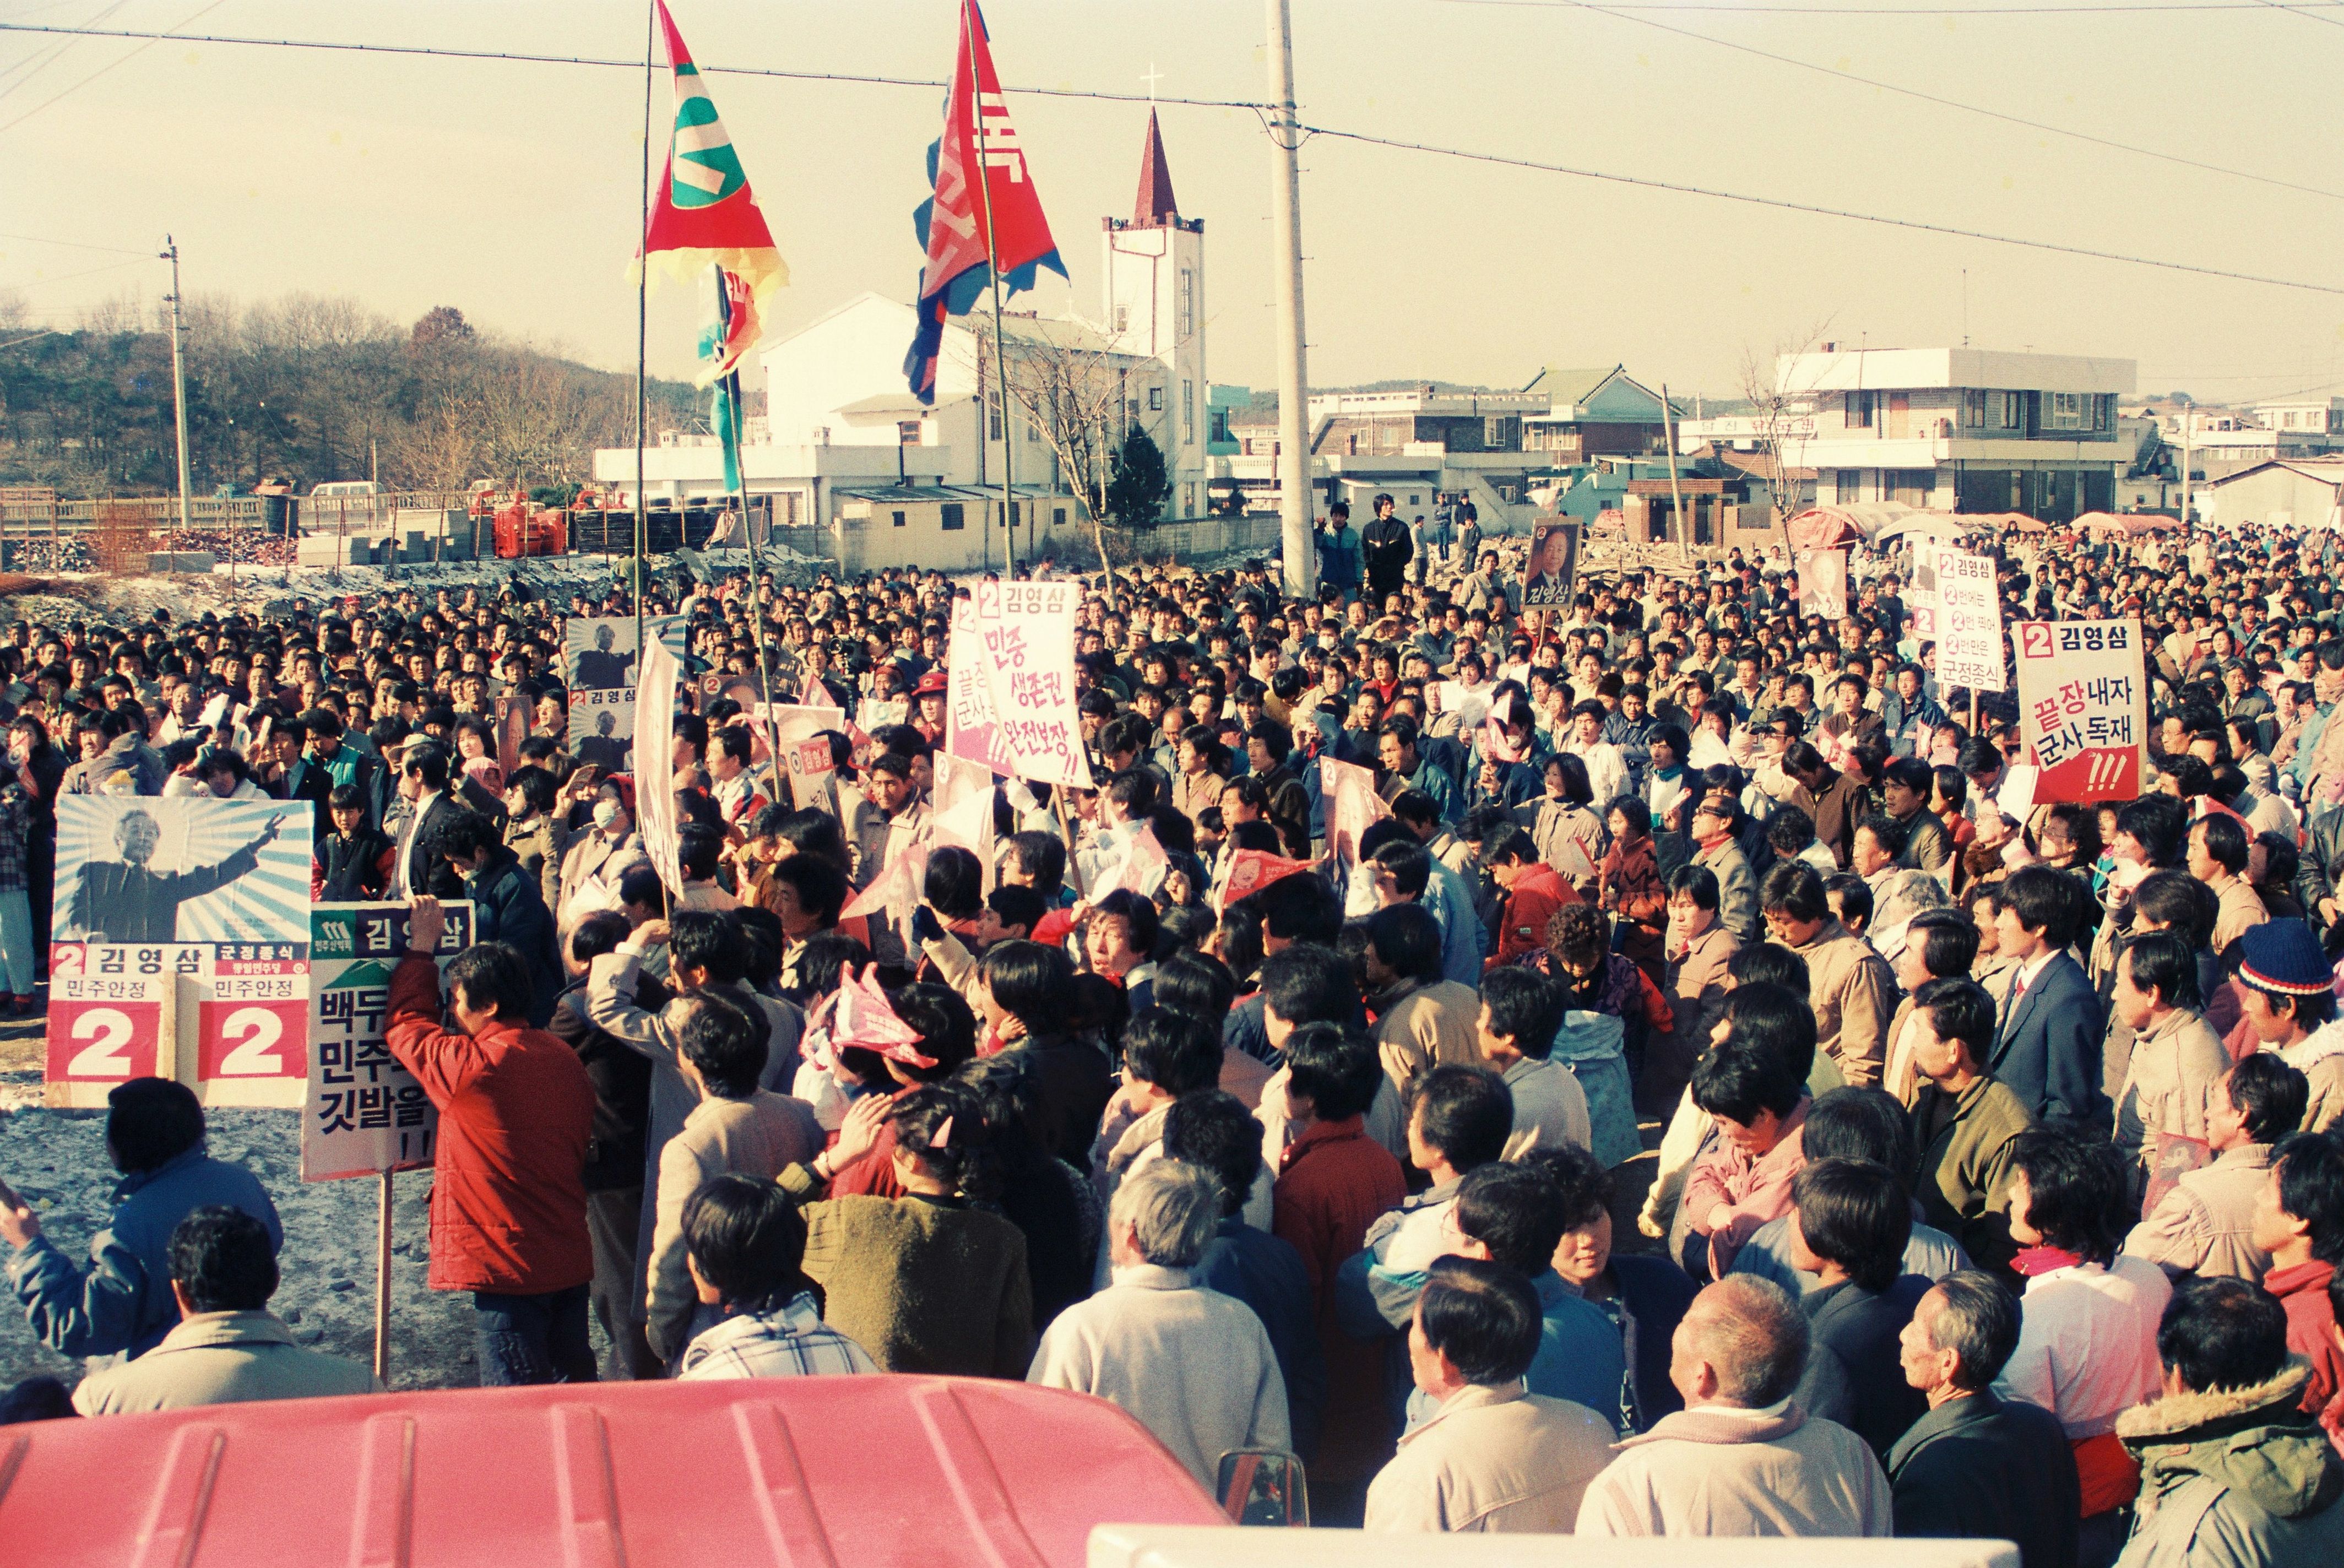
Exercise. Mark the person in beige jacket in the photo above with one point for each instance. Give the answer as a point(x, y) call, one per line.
point(229, 1348)
point(738, 1128)
point(2177, 1060)
point(1492, 1458)
point(2205, 1224)
point(1848, 982)
point(1421, 1020)
point(1741, 1458)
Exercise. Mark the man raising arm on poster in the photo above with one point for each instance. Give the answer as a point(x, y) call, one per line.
point(122, 901)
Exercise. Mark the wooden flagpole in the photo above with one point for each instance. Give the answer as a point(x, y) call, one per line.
point(642, 339)
point(969, 24)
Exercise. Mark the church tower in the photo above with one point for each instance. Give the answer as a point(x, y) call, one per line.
point(1155, 271)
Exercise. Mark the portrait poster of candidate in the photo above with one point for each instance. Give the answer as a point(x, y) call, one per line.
point(597, 661)
point(188, 869)
point(1553, 564)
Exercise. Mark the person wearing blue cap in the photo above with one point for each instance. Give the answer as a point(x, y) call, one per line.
point(2289, 997)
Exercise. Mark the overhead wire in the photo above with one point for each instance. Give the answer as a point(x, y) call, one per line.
point(119, 60)
point(2305, 12)
point(706, 69)
point(1362, 138)
point(1815, 209)
point(1620, 13)
point(72, 244)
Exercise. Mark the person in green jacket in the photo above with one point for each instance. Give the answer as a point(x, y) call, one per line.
point(2234, 1474)
point(926, 1282)
point(1965, 1120)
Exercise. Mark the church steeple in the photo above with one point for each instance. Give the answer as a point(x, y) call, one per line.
point(1157, 204)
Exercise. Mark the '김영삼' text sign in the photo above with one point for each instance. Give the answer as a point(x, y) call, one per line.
point(365, 1114)
point(2082, 707)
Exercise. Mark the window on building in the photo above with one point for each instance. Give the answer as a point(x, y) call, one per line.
point(1122, 317)
point(2014, 411)
point(2068, 411)
point(1155, 399)
point(1188, 413)
point(952, 515)
point(908, 432)
point(1974, 407)
point(993, 416)
point(1216, 426)
point(897, 517)
point(1186, 316)
point(1058, 517)
point(1859, 410)
point(1131, 410)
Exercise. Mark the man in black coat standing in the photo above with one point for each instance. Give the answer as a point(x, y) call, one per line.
point(1979, 1466)
point(1385, 551)
point(506, 904)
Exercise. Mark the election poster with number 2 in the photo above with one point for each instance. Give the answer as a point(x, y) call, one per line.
point(1026, 630)
point(182, 945)
point(365, 1114)
point(2083, 705)
point(1969, 623)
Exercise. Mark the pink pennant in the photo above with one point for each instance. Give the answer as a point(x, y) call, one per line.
point(864, 1018)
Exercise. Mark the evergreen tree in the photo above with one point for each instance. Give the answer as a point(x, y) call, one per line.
point(1137, 483)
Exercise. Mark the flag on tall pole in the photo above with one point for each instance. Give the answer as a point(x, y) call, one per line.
point(703, 210)
point(969, 229)
point(726, 334)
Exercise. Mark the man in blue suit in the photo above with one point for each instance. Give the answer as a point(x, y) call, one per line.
point(2046, 1041)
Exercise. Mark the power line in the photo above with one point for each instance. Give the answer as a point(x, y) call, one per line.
point(2307, 12)
point(1502, 160)
point(73, 244)
point(119, 60)
point(423, 50)
point(1619, 14)
point(2128, 9)
point(68, 277)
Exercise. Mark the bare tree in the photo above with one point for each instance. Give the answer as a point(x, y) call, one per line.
point(1072, 395)
point(1782, 413)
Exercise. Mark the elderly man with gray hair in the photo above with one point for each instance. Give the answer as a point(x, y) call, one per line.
point(1741, 1458)
point(1977, 1465)
point(1193, 1365)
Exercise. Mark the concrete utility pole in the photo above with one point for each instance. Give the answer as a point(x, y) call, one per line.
point(179, 379)
point(1295, 497)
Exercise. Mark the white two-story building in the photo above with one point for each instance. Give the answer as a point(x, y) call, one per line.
point(1960, 430)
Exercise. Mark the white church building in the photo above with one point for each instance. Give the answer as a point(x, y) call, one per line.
point(843, 446)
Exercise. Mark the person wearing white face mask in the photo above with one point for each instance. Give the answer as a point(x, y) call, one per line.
point(599, 858)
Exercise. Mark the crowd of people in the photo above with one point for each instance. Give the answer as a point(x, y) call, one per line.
point(1710, 1097)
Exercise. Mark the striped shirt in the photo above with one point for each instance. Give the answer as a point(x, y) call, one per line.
point(789, 1342)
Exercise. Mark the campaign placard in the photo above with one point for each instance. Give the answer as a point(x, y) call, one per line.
point(1550, 570)
point(597, 661)
point(1822, 583)
point(113, 1016)
point(362, 1113)
point(2082, 707)
point(1921, 600)
point(143, 871)
point(1969, 623)
point(1026, 649)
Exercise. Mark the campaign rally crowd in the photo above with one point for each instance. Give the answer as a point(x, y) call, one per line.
point(1709, 1094)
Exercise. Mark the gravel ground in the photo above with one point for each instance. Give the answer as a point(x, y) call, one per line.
point(57, 1160)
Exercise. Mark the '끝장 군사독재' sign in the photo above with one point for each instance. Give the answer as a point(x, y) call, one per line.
point(2082, 707)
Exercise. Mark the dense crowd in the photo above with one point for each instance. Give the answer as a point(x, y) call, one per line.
point(1993, 1186)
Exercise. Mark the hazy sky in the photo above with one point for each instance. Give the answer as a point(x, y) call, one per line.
point(511, 190)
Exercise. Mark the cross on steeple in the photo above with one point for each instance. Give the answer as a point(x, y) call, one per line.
point(1151, 78)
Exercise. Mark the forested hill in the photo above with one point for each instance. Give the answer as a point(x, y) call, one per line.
point(303, 390)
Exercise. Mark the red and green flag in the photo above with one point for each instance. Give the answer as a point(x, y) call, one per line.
point(702, 212)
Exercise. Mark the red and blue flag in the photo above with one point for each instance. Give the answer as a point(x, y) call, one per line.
point(965, 229)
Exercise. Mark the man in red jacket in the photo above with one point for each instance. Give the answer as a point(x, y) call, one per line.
point(1534, 891)
point(508, 1193)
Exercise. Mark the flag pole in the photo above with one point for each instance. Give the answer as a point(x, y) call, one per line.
point(643, 335)
point(731, 390)
point(970, 21)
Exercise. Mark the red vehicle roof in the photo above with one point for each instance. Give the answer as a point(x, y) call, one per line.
point(807, 1472)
